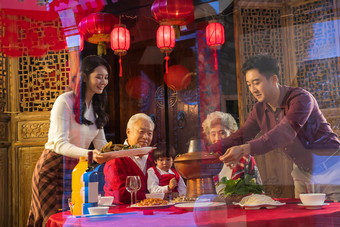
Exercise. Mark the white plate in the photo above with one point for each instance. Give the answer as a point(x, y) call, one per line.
point(152, 207)
point(112, 205)
point(182, 201)
point(259, 206)
point(131, 152)
point(313, 207)
point(93, 215)
point(198, 205)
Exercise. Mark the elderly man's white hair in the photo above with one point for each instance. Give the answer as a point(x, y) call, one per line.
point(225, 119)
point(138, 116)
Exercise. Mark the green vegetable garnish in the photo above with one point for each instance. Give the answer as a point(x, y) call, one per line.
point(241, 186)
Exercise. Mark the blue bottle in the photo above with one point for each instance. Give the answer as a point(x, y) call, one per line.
point(101, 179)
point(90, 179)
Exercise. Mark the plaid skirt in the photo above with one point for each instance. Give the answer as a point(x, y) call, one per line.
point(51, 186)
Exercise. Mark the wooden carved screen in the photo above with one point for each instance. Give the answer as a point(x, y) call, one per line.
point(317, 50)
point(36, 83)
point(4, 141)
point(303, 36)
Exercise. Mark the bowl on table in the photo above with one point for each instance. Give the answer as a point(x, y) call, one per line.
point(105, 200)
point(155, 195)
point(98, 210)
point(313, 198)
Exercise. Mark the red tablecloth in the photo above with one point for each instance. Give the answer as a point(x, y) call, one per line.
point(288, 215)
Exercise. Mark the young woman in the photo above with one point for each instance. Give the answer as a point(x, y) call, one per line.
point(77, 120)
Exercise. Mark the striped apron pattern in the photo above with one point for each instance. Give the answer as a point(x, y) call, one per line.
point(51, 177)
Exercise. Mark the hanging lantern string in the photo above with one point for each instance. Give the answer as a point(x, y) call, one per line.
point(166, 58)
point(120, 66)
point(215, 56)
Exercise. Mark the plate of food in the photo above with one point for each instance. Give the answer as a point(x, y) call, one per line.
point(256, 201)
point(199, 205)
point(183, 199)
point(122, 150)
point(152, 203)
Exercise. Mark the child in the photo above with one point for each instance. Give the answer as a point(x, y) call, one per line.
point(162, 178)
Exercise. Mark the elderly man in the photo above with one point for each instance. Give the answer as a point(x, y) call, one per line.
point(139, 132)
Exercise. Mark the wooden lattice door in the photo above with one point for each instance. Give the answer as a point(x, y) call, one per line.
point(35, 83)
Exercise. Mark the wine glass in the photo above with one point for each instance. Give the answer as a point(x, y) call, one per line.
point(131, 185)
point(139, 186)
point(70, 204)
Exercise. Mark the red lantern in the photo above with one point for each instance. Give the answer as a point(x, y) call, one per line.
point(214, 34)
point(178, 78)
point(137, 87)
point(96, 28)
point(166, 41)
point(173, 12)
point(120, 42)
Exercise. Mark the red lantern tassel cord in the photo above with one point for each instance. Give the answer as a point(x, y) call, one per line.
point(166, 58)
point(120, 66)
point(215, 56)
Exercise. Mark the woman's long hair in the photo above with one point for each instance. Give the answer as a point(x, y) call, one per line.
point(99, 101)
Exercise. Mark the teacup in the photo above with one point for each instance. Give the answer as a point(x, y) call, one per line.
point(105, 200)
point(313, 198)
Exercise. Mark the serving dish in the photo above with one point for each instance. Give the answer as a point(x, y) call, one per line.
point(313, 207)
point(101, 210)
point(199, 205)
point(152, 207)
point(259, 206)
point(131, 152)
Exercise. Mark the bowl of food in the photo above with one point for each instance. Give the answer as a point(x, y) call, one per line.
point(98, 210)
point(313, 198)
point(105, 200)
point(155, 195)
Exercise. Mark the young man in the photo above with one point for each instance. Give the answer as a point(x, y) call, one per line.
point(139, 132)
point(290, 119)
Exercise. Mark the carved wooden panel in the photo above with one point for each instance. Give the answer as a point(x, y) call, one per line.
point(259, 30)
point(3, 83)
point(42, 80)
point(27, 158)
point(33, 130)
point(4, 201)
point(319, 77)
point(316, 42)
point(332, 116)
point(3, 131)
point(39, 82)
point(277, 181)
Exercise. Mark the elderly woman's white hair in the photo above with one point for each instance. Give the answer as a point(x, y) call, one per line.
point(138, 116)
point(217, 117)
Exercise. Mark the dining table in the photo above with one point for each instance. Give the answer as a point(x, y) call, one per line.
point(291, 213)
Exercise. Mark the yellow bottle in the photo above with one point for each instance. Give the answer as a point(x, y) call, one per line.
point(77, 184)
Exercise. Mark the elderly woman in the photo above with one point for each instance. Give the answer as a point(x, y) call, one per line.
point(219, 125)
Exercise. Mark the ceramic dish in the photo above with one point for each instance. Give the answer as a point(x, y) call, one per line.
point(151, 207)
point(98, 210)
point(112, 205)
point(199, 205)
point(313, 207)
point(132, 152)
point(259, 206)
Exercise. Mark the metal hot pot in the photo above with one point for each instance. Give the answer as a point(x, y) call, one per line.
point(198, 167)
